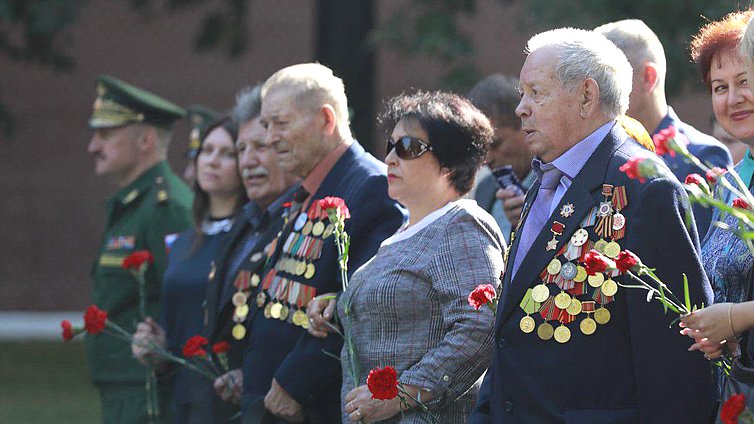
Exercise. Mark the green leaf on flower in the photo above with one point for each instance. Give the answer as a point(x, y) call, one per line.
point(686, 297)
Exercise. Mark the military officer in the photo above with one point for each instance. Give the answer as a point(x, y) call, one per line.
point(199, 118)
point(132, 129)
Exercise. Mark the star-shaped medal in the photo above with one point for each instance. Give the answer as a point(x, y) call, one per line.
point(552, 244)
point(567, 210)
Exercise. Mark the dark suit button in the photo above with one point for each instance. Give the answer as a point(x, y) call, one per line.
point(508, 406)
point(501, 342)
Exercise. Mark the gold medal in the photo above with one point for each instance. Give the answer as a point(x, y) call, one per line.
point(554, 266)
point(575, 307)
point(562, 334)
point(255, 280)
point(612, 250)
point(328, 231)
point(527, 324)
point(600, 246)
point(588, 326)
point(307, 228)
point(545, 331)
point(267, 309)
point(275, 310)
point(242, 311)
point(609, 288)
point(239, 298)
point(305, 324)
point(602, 316)
point(318, 229)
point(580, 274)
point(260, 299)
point(299, 317)
point(562, 300)
point(284, 311)
point(300, 268)
point(596, 280)
point(540, 293)
point(309, 271)
point(239, 331)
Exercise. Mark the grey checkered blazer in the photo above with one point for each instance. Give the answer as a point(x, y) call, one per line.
point(409, 309)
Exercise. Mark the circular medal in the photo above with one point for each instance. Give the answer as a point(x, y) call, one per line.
point(267, 309)
point(300, 268)
point(307, 228)
point(612, 250)
point(299, 317)
point(300, 221)
point(579, 237)
point(540, 293)
point(619, 221)
point(527, 324)
point(255, 280)
point(554, 266)
point(242, 311)
point(600, 246)
point(562, 334)
point(275, 310)
point(575, 307)
point(587, 326)
point(568, 271)
point(284, 312)
point(309, 271)
point(544, 331)
point(328, 231)
point(609, 288)
point(260, 299)
point(305, 323)
point(239, 331)
point(596, 280)
point(562, 300)
point(318, 229)
point(602, 315)
point(580, 274)
point(239, 298)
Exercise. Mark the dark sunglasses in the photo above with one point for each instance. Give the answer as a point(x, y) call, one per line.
point(408, 148)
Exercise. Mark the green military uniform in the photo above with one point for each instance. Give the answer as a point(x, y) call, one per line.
point(145, 215)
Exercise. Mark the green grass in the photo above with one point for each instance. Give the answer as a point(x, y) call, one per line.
point(46, 382)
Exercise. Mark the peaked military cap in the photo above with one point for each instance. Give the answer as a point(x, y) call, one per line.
point(200, 117)
point(119, 103)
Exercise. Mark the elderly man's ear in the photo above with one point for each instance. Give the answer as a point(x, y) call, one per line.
point(590, 99)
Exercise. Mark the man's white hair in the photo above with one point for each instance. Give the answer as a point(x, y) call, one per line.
point(583, 54)
point(314, 85)
point(747, 43)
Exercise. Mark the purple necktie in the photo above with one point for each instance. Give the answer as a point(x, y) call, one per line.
point(538, 212)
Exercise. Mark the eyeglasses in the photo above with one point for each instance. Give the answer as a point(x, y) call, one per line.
point(408, 148)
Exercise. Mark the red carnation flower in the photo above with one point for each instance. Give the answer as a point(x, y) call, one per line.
point(67, 330)
point(694, 179)
point(95, 320)
point(383, 383)
point(627, 261)
point(732, 408)
point(339, 205)
point(221, 347)
point(595, 262)
point(136, 259)
point(713, 174)
point(740, 203)
point(631, 169)
point(194, 347)
point(482, 294)
point(661, 140)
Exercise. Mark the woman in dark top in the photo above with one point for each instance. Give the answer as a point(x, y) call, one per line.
point(218, 196)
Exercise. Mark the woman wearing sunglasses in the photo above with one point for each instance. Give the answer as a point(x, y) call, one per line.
point(408, 305)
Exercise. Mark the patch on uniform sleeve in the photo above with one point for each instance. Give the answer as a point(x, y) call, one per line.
point(169, 240)
point(121, 242)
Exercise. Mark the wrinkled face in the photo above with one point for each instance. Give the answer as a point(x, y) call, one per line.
point(410, 180)
point(292, 131)
point(508, 148)
point(548, 111)
point(115, 151)
point(259, 164)
point(732, 100)
point(217, 165)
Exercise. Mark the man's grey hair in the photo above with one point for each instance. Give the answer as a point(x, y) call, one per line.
point(583, 54)
point(747, 43)
point(638, 42)
point(497, 97)
point(248, 104)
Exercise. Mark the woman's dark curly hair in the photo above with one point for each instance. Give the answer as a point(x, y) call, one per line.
point(458, 132)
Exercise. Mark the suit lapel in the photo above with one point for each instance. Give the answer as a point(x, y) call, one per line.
point(583, 194)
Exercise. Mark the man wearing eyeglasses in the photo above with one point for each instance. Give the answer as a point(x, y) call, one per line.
point(305, 113)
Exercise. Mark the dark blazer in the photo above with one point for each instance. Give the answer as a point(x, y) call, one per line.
point(284, 351)
point(632, 369)
point(710, 151)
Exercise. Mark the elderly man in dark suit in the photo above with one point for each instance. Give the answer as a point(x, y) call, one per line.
point(649, 106)
point(572, 348)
